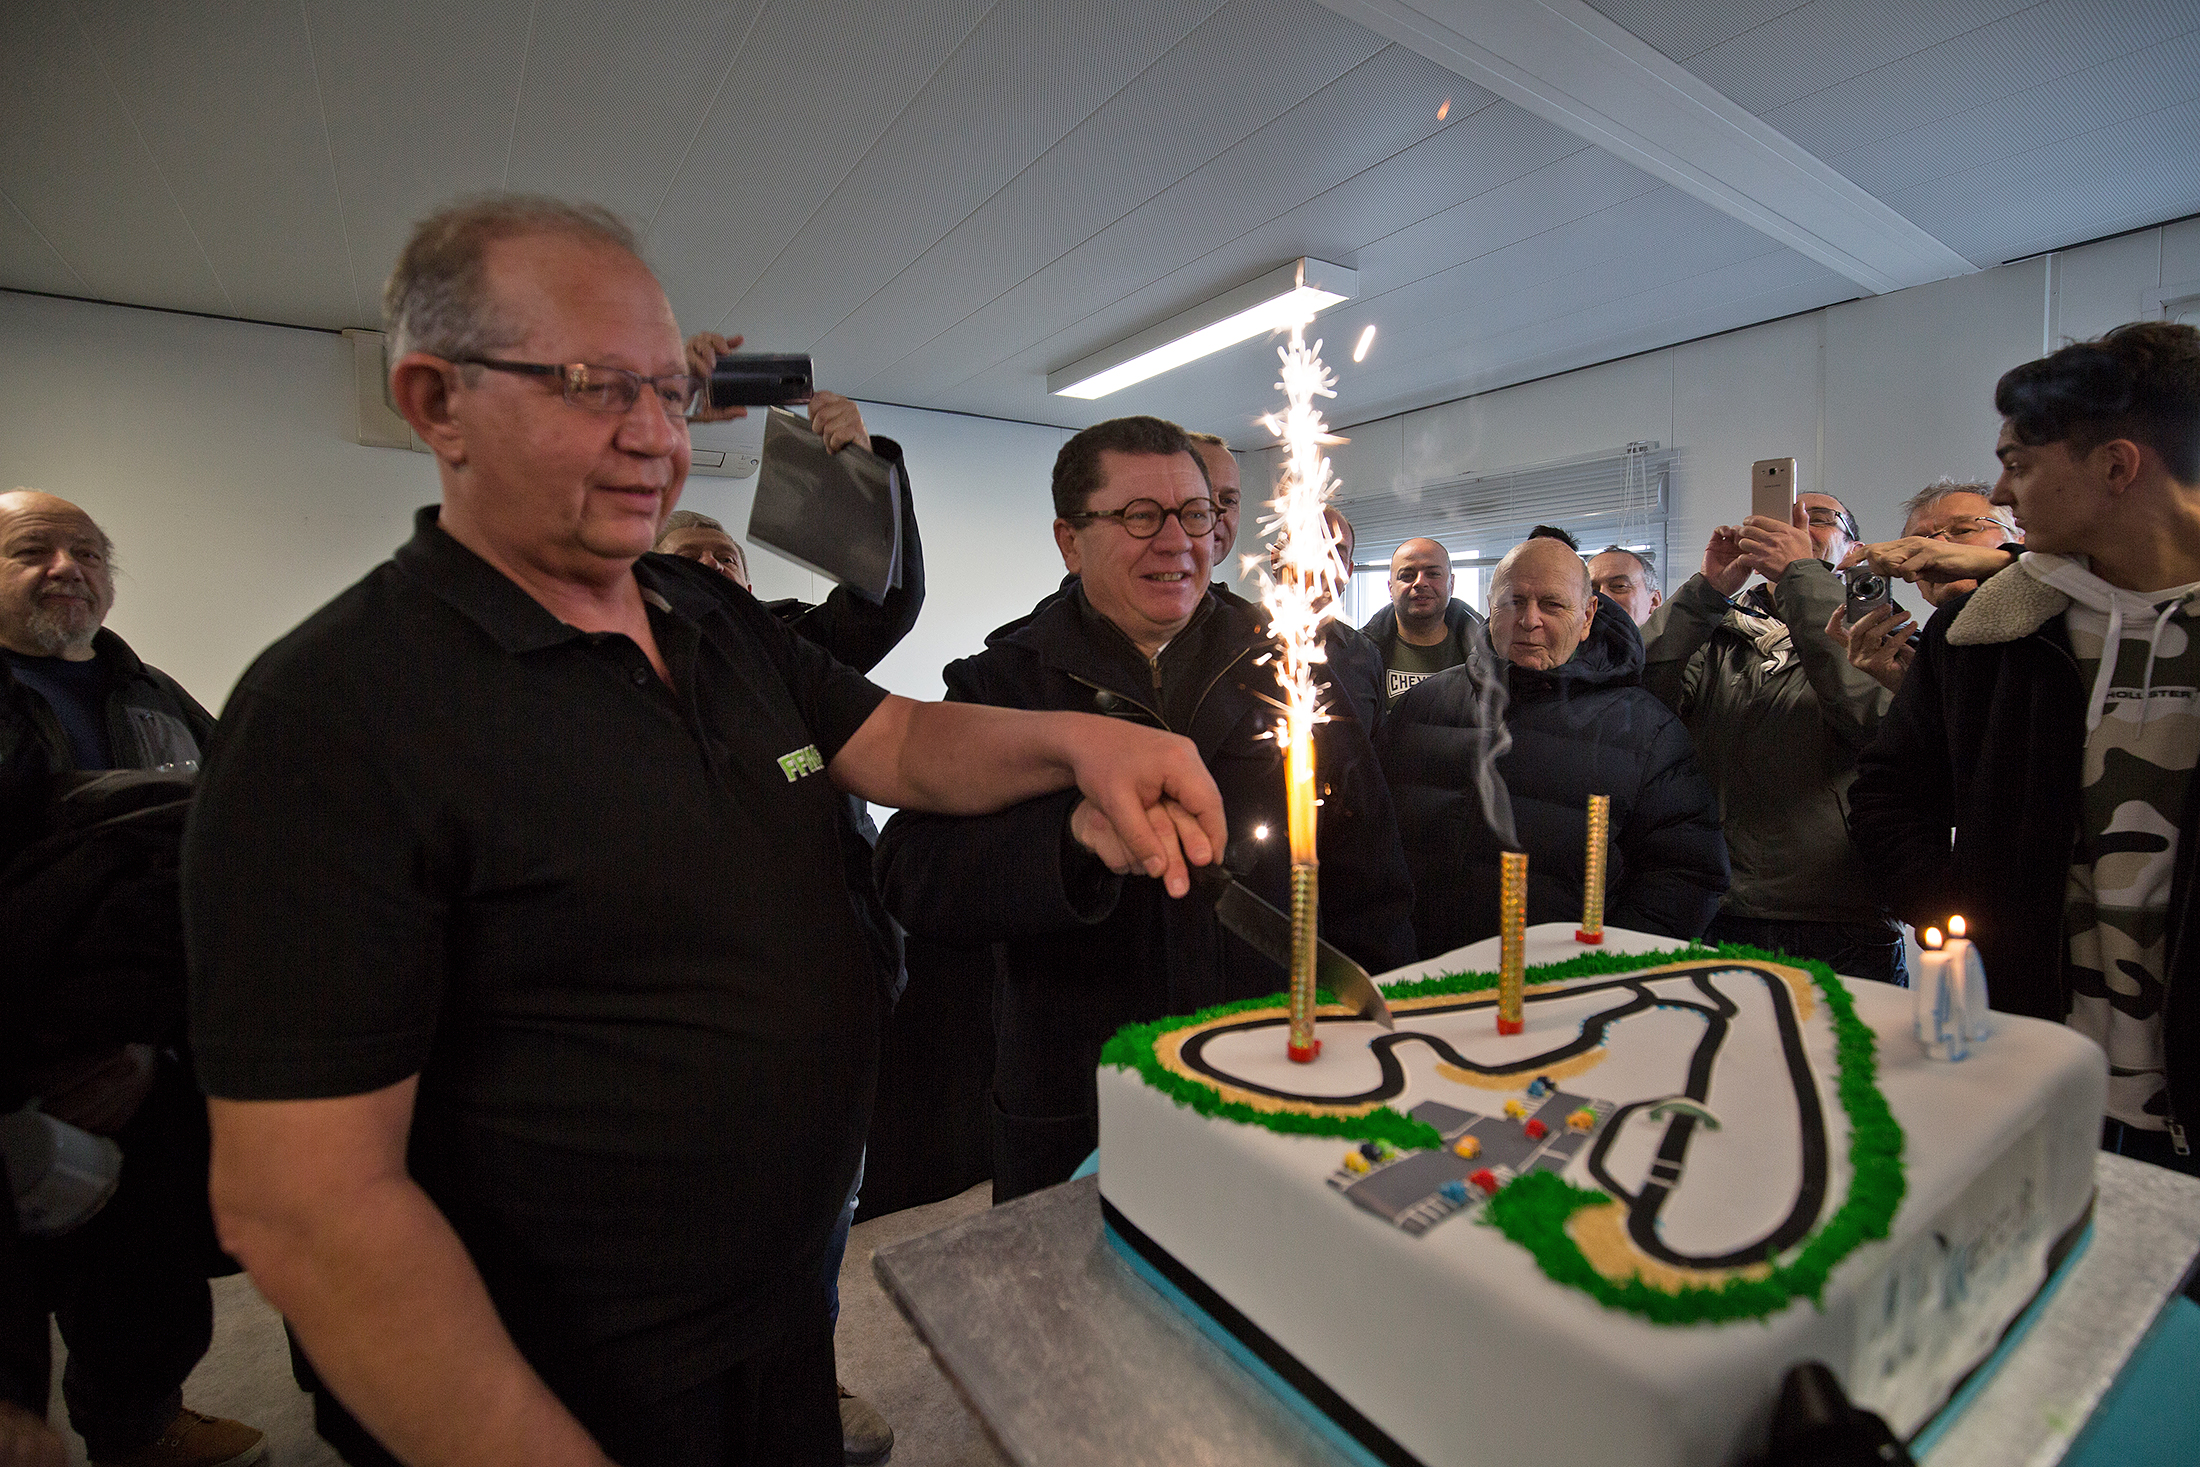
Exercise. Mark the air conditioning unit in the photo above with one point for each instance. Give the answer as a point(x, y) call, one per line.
point(723, 450)
point(381, 425)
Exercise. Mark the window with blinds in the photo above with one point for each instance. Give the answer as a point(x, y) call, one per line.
point(1616, 498)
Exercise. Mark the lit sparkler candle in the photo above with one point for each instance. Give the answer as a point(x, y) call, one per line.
point(1512, 933)
point(1300, 593)
point(1592, 882)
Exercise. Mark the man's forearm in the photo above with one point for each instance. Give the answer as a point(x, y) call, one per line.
point(970, 759)
point(391, 1310)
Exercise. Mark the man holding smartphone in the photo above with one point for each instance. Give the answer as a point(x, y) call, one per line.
point(1779, 714)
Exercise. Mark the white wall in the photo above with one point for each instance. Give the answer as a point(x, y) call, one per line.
point(220, 458)
point(1873, 398)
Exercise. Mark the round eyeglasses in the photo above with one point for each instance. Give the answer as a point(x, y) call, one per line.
point(605, 389)
point(1142, 519)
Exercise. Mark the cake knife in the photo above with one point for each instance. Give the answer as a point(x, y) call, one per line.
point(1268, 932)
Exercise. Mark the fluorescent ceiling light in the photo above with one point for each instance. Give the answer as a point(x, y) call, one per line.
point(1270, 302)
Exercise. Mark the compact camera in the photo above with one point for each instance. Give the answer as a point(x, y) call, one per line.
point(1867, 593)
point(760, 379)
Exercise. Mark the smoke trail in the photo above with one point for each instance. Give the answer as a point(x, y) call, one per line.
point(1489, 704)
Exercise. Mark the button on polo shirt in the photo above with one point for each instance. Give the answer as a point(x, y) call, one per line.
point(442, 833)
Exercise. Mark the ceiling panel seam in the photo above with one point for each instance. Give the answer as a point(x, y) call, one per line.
point(1573, 66)
point(740, 49)
point(151, 157)
point(2065, 140)
point(1062, 141)
point(1253, 228)
point(1259, 225)
point(519, 95)
point(828, 196)
point(328, 146)
point(1894, 61)
point(49, 244)
point(2003, 104)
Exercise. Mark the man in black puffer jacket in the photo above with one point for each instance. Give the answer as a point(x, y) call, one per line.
point(1082, 951)
point(1579, 724)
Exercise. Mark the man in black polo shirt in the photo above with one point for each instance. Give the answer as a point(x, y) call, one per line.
point(540, 1026)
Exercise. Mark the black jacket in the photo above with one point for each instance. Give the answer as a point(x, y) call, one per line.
point(1986, 739)
point(1586, 727)
point(1083, 952)
point(855, 629)
point(151, 721)
point(1778, 738)
point(1461, 624)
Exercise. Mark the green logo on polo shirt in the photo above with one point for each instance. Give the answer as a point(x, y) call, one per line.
point(805, 760)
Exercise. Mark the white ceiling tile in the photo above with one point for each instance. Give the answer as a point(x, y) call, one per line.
point(75, 163)
point(28, 261)
point(1129, 276)
point(2068, 191)
point(1168, 122)
point(614, 95)
point(1683, 31)
point(1825, 42)
point(1000, 102)
point(420, 96)
point(227, 98)
point(1973, 72)
point(809, 95)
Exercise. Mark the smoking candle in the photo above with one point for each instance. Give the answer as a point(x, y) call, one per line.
point(1591, 930)
point(1512, 930)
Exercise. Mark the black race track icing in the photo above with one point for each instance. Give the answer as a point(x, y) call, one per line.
point(1643, 1207)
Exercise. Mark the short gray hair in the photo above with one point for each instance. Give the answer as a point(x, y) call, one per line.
point(1647, 559)
point(686, 519)
point(1944, 486)
point(437, 299)
point(1212, 440)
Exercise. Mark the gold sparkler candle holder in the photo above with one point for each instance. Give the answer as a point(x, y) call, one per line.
point(1591, 930)
point(1302, 1046)
point(1512, 934)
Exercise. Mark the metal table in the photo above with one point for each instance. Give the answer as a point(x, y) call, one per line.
point(1070, 1359)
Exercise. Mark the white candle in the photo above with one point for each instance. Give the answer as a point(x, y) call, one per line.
point(1968, 973)
point(1937, 1000)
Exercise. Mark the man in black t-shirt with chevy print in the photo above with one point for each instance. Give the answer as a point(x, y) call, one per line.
point(1424, 629)
point(539, 1028)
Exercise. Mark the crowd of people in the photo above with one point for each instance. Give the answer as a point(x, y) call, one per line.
point(528, 937)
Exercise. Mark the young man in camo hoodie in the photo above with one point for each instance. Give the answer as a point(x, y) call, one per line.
point(2051, 720)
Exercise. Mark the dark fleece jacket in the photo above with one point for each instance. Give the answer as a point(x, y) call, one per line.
point(1586, 727)
point(1082, 953)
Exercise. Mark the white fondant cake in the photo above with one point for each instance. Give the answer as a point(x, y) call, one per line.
point(1727, 1111)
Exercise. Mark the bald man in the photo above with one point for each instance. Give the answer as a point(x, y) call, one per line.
point(1425, 629)
point(127, 1287)
point(1580, 724)
point(72, 694)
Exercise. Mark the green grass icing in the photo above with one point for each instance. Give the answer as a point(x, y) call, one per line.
point(1533, 1210)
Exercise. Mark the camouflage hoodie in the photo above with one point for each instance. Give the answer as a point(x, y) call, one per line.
point(2140, 654)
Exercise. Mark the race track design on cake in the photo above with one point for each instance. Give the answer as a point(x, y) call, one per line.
point(1610, 1139)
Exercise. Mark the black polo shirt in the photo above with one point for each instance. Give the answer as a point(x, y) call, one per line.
point(441, 832)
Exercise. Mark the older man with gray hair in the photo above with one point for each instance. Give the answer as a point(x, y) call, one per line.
point(1953, 536)
point(536, 1094)
point(1565, 684)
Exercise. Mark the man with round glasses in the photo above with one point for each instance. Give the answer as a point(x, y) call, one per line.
point(540, 1026)
point(1141, 638)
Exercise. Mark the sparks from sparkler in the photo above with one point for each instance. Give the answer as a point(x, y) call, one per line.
point(1300, 592)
